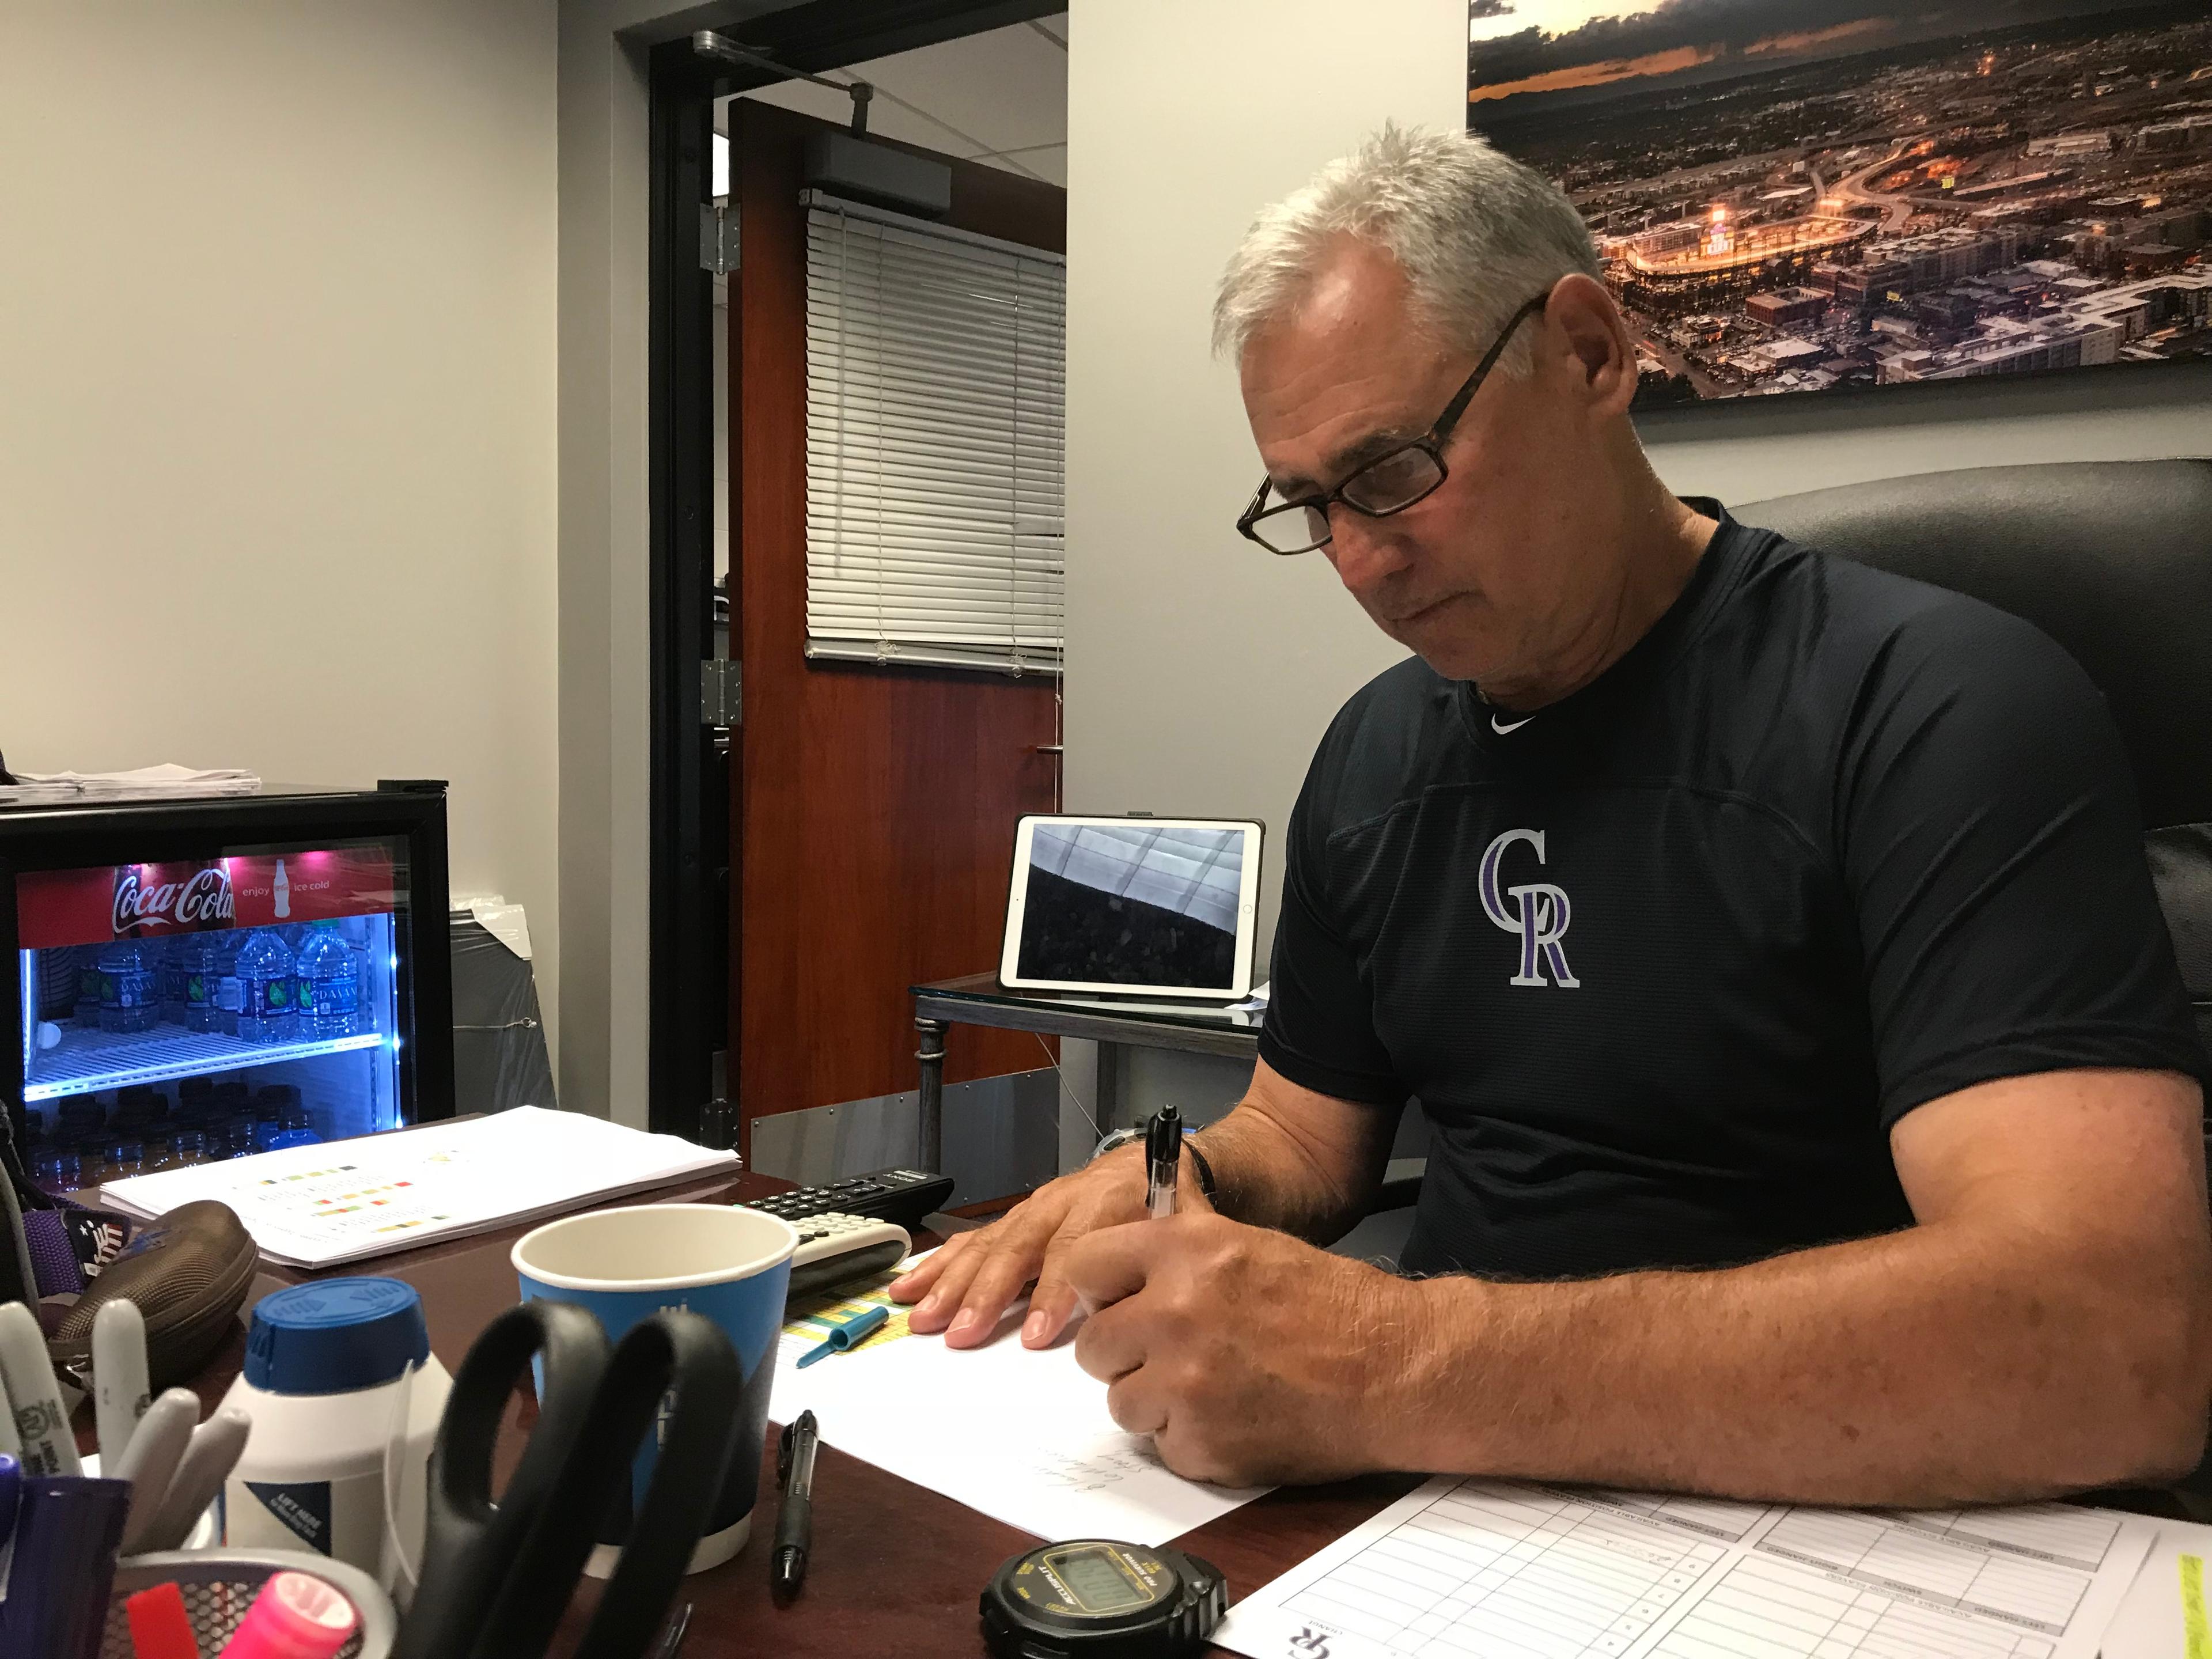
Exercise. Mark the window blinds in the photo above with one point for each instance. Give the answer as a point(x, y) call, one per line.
point(936, 387)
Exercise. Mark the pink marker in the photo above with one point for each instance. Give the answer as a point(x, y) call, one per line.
point(296, 1616)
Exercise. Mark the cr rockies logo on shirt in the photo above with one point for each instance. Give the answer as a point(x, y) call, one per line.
point(1540, 913)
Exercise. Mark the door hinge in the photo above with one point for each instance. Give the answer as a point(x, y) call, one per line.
point(721, 692)
point(717, 239)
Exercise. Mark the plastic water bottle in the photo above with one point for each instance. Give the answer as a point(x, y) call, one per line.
point(361, 940)
point(87, 1013)
point(267, 988)
point(330, 989)
point(202, 963)
point(171, 953)
point(227, 996)
point(271, 1106)
point(129, 989)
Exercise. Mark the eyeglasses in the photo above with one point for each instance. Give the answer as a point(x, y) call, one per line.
point(1389, 484)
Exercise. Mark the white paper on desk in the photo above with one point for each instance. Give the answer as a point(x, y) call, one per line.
point(1492, 1568)
point(2149, 1625)
point(348, 1200)
point(1021, 1434)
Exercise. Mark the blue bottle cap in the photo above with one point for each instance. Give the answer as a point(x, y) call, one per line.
point(335, 1336)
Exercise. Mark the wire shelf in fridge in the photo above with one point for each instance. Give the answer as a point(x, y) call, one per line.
point(86, 1061)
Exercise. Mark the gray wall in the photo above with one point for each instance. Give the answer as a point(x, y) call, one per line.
point(604, 526)
point(1202, 671)
point(277, 434)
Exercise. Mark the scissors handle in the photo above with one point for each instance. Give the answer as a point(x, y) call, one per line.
point(686, 1359)
point(496, 1579)
point(471, 1545)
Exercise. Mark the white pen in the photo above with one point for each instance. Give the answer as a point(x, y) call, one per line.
point(150, 1461)
point(207, 1463)
point(118, 1375)
point(49, 1447)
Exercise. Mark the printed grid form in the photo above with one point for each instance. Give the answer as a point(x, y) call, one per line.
point(1768, 1609)
point(1508, 1573)
point(1968, 1574)
point(1717, 1517)
point(2047, 1532)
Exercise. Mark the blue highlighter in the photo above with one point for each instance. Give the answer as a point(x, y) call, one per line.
point(846, 1332)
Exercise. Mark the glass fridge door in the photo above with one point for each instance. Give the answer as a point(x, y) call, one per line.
point(177, 1013)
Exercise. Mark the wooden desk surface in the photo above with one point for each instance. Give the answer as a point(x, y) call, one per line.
point(895, 1568)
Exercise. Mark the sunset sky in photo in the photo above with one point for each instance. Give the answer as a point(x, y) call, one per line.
point(1551, 45)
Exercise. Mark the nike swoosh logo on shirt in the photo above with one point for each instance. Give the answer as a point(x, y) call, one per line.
point(1515, 726)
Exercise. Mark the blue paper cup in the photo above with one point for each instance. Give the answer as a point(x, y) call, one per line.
point(729, 1265)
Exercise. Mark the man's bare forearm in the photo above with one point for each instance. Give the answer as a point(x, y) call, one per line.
point(1266, 1172)
point(1944, 1364)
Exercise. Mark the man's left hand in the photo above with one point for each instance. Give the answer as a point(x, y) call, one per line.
point(1249, 1357)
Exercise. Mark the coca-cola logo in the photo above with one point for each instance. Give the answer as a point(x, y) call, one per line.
point(203, 900)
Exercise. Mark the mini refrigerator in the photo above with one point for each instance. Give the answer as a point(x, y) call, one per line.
point(191, 980)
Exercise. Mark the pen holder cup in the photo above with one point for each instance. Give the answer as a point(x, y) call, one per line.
point(61, 1554)
point(220, 1585)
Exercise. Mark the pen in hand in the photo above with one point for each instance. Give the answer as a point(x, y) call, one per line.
point(1162, 1161)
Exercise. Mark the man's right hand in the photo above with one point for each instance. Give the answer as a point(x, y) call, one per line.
point(975, 1277)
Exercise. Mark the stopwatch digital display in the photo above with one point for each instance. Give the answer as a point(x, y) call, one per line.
point(1103, 1600)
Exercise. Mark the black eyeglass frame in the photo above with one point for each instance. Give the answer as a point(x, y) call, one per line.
point(1431, 444)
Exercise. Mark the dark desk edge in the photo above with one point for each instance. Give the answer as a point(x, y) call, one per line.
point(971, 1002)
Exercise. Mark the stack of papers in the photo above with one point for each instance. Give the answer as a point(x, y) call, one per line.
point(37, 794)
point(314, 1206)
point(145, 783)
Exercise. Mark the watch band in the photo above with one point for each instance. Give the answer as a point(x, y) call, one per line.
point(1204, 1170)
point(1114, 1141)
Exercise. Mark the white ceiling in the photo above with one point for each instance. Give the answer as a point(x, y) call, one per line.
point(999, 97)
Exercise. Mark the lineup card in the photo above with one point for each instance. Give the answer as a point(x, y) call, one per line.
point(1511, 1571)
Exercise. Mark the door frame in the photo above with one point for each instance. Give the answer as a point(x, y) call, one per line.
point(689, 925)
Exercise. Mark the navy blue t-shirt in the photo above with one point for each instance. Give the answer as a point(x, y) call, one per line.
point(1665, 962)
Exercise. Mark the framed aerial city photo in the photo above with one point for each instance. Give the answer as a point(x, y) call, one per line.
point(1819, 196)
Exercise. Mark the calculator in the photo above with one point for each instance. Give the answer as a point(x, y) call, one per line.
point(834, 1249)
point(900, 1196)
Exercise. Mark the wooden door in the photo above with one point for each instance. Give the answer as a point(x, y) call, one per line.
point(873, 809)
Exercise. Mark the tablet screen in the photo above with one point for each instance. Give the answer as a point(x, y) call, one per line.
point(1134, 904)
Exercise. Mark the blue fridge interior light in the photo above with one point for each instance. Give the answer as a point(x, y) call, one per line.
point(100, 1097)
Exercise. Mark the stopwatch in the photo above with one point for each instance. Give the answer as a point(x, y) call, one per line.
point(1092, 1598)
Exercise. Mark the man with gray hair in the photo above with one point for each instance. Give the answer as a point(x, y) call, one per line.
point(1817, 1114)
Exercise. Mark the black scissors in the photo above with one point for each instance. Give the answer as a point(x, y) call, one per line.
point(496, 1578)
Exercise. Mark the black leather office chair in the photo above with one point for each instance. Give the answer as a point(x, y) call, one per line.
point(2113, 560)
